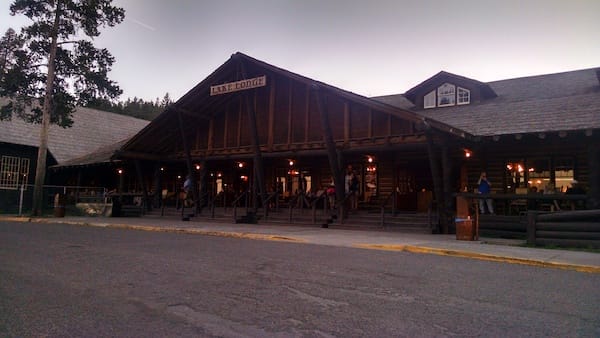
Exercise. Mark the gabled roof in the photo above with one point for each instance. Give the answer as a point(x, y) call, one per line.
point(99, 156)
point(545, 103)
point(442, 77)
point(91, 129)
point(197, 105)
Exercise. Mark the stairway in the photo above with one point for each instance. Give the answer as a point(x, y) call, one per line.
point(360, 219)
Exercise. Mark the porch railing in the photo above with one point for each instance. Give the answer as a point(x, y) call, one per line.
point(300, 201)
point(271, 198)
point(392, 196)
point(235, 202)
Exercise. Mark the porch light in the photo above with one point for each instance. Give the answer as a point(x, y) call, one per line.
point(291, 163)
point(162, 169)
point(468, 153)
point(120, 171)
point(178, 177)
point(197, 167)
point(370, 159)
point(240, 164)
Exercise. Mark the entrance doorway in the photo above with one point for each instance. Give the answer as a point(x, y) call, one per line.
point(414, 186)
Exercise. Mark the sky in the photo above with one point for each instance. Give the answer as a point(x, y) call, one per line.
point(369, 47)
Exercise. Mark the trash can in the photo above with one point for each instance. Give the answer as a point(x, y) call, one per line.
point(465, 229)
point(59, 205)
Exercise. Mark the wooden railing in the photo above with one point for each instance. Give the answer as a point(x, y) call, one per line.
point(235, 202)
point(569, 228)
point(298, 201)
point(273, 197)
point(392, 196)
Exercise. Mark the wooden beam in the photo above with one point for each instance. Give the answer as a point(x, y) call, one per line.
point(594, 179)
point(239, 126)
point(189, 113)
point(435, 173)
point(211, 134)
point(332, 153)
point(140, 178)
point(226, 125)
point(272, 96)
point(346, 122)
point(259, 171)
point(306, 113)
point(188, 162)
point(448, 189)
point(289, 126)
point(136, 155)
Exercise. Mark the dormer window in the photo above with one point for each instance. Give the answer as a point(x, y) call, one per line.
point(463, 96)
point(429, 100)
point(447, 95)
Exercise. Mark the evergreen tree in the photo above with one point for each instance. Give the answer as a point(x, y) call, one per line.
point(55, 69)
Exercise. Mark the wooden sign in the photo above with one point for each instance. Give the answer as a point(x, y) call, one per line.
point(231, 87)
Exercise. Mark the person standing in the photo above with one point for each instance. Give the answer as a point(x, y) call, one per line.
point(187, 189)
point(484, 188)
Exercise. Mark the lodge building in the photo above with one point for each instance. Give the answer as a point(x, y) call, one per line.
point(277, 138)
point(293, 135)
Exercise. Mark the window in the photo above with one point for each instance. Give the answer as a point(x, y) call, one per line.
point(563, 173)
point(429, 100)
point(13, 172)
point(543, 174)
point(446, 95)
point(463, 96)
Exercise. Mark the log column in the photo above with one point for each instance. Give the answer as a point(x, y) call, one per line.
point(188, 161)
point(332, 154)
point(594, 179)
point(259, 171)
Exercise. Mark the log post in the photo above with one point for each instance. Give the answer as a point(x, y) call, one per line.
point(259, 171)
point(157, 198)
point(447, 184)
point(531, 226)
point(140, 177)
point(332, 154)
point(594, 179)
point(436, 175)
point(188, 161)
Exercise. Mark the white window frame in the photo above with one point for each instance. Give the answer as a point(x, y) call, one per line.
point(458, 96)
point(13, 172)
point(442, 94)
point(429, 100)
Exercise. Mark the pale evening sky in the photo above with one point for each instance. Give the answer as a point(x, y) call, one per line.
point(371, 48)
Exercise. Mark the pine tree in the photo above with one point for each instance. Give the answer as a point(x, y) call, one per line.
point(55, 69)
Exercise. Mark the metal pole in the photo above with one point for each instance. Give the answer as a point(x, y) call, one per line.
point(21, 200)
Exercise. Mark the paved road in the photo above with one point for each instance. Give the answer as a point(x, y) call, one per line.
point(64, 280)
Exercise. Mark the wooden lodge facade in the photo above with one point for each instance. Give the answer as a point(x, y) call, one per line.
point(253, 127)
point(292, 134)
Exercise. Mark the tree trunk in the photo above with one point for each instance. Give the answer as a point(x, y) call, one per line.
point(40, 172)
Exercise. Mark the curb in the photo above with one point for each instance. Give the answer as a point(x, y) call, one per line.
point(230, 234)
point(480, 256)
point(265, 237)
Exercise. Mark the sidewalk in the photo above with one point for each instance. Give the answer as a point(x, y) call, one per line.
point(490, 249)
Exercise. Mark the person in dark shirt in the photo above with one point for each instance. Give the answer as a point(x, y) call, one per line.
point(484, 188)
